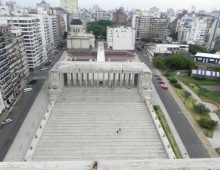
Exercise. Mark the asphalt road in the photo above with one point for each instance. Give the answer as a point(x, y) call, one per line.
point(191, 141)
point(20, 110)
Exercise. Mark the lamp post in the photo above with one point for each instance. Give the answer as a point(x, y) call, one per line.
point(177, 74)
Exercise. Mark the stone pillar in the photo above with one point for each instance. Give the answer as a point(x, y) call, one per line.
point(132, 80)
point(74, 79)
point(126, 79)
point(98, 79)
point(103, 80)
point(86, 79)
point(61, 80)
point(109, 80)
point(80, 79)
point(68, 79)
point(121, 79)
point(92, 79)
point(116, 79)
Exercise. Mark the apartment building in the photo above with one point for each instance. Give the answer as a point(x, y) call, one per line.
point(118, 17)
point(121, 38)
point(53, 30)
point(70, 6)
point(13, 65)
point(31, 31)
point(192, 32)
point(149, 27)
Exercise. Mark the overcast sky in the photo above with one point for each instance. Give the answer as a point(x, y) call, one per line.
point(206, 5)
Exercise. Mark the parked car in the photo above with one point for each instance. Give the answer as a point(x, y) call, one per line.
point(27, 90)
point(6, 121)
point(161, 82)
point(32, 82)
point(42, 69)
point(158, 78)
point(164, 86)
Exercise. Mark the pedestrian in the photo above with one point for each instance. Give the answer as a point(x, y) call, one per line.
point(117, 131)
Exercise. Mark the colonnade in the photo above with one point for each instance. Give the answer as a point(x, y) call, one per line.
point(128, 80)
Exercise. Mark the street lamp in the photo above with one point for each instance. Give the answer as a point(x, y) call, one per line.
point(177, 74)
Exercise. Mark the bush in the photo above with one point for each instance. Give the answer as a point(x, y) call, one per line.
point(167, 74)
point(155, 108)
point(177, 86)
point(201, 108)
point(199, 77)
point(210, 124)
point(173, 81)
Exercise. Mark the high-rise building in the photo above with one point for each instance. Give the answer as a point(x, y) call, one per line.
point(53, 30)
point(70, 6)
point(118, 17)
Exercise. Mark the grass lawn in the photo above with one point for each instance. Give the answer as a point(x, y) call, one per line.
point(211, 95)
point(168, 133)
point(191, 80)
point(218, 114)
point(218, 151)
point(189, 105)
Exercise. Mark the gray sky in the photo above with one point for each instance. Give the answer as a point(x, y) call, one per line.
point(130, 4)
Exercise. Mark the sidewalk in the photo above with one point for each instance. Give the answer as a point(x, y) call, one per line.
point(27, 131)
point(199, 132)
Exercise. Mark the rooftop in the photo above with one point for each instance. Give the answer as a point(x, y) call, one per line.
point(208, 55)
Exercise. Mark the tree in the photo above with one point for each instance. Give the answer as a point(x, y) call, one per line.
point(201, 108)
point(187, 95)
point(159, 62)
point(193, 48)
point(213, 51)
point(210, 124)
point(203, 90)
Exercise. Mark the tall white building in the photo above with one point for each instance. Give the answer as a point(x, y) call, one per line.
point(121, 38)
point(192, 32)
point(53, 30)
point(70, 6)
point(30, 27)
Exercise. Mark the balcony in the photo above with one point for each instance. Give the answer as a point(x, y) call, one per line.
point(7, 89)
point(2, 51)
point(1, 39)
point(2, 82)
point(5, 97)
point(3, 63)
point(2, 70)
point(3, 58)
point(3, 76)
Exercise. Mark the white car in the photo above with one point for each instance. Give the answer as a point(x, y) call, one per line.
point(27, 90)
point(6, 121)
point(42, 69)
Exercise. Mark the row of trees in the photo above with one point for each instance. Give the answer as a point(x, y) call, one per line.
point(174, 62)
point(99, 28)
point(193, 48)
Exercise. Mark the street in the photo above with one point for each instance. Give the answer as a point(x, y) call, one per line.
point(21, 108)
point(188, 136)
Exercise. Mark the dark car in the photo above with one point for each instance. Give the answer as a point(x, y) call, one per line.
point(32, 82)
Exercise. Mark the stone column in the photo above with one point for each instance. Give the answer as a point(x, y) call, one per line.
point(98, 79)
point(86, 79)
point(109, 80)
point(132, 80)
point(126, 79)
point(80, 79)
point(92, 79)
point(121, 79)
point(103, 80)
point(68, 79)
point(116, 79)
point(74, 79)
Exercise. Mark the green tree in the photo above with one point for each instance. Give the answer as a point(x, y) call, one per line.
point(193, 48)
point(213, 51)
point(159, 62)
point(203, 90)
point(201, 108)
point(187, 95)
point(210, 124)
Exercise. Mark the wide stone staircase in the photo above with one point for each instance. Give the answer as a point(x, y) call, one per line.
point(84, 124)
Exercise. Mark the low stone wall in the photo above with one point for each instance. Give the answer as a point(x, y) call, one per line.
point(162, 134)
point(39, 132)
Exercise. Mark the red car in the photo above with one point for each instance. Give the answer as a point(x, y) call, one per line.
point(161, 82)
point(158, 78)
point(164, 86)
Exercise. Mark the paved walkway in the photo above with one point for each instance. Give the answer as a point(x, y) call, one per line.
point(216, 135)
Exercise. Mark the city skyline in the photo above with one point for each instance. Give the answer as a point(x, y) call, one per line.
point(163, 5)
